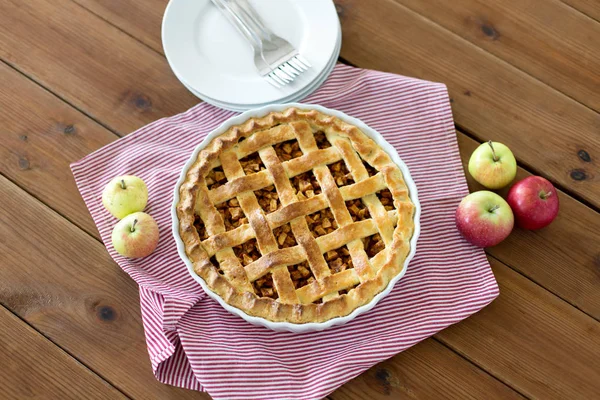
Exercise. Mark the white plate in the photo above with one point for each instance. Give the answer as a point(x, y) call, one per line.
point(208, 54)
point(295, 97)
point(287, 326)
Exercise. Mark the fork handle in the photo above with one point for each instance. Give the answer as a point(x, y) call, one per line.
point(240, 23)
point(252, 18)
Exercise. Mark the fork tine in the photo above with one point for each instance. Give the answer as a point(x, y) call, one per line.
point(277, 77)
point(297, 65)
point(273, 76)
point(282, 75)
point(272, 81)
point(289, 70)
point(303, 60)
point(286, 72)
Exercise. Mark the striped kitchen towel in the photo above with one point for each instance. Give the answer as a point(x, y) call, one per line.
point(194, 343)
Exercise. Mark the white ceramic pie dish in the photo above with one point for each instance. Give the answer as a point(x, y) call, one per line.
point(287, 326)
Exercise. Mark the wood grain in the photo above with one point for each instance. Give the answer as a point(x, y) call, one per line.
point(562, 257)
point(524, 33)
point(70, 279)
point(401, 378)
point(591, 8)
point(89, 63)
point(64, 283)
point(48, 151)
point(37, 147)
point(125, 84)
point(33, 367)
point(140, 19)
point(491, 99)
point(564, 55)
point(537, 343)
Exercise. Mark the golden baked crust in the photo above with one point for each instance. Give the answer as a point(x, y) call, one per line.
point(281, 263)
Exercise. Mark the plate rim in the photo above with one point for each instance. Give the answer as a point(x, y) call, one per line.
point(317, 83)
point(169, 51)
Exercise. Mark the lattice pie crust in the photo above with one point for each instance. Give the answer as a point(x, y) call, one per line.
point(296, 216)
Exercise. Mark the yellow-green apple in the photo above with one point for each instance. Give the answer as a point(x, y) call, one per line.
point(493, 165)
point(534, 201)
point(135, 236)
point(124, 195)
point(484, 218)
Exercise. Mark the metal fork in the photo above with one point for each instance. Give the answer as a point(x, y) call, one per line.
point(275, 58)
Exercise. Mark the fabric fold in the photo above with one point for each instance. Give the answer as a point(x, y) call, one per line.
point(194, 343)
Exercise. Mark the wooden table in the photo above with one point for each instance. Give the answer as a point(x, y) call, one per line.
point(78, 74)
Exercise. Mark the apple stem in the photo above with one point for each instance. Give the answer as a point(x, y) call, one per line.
point(494, 156)
point(494, 208)
point(133, 225)
point(123, 186)
point(545, 195)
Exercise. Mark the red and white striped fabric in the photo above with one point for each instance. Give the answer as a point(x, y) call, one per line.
point(194, 343)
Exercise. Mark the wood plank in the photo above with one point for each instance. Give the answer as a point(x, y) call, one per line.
point(140, 19)
point(491, 99)
point(534, 341)
point(90, 63)
point(562, 257)
point(541, 256)
point(545, 38)
point(52, 298)
point(400, 378)
point(24, 92)
point(37, 147)
point(591, 8)
point(34, 367)
point(63, 282)
point(48, 151)
point(70, 279)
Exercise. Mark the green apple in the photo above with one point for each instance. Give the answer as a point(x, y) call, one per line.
point(493, 165)
point(124, 195)
point(135, 236)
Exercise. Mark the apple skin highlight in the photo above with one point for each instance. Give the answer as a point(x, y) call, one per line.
point(484, 218)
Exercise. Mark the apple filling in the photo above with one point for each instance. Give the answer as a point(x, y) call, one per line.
point(215, 178)
point(338, 260)
point(321, 139)
point(247, 252)
point(306, 185)
point(385, 196)
point(319, 223)
point(284, 236)
point(268, 199)
point(340, 174)
point(288, 150)
point(232, 214)
point(301, 274)
point(370, 170)
point(263, 287)
point(252, 164)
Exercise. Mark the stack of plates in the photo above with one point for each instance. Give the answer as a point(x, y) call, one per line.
point(214, 61)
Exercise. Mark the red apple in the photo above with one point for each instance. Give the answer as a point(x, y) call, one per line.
point(484, 218)
point(534, 201)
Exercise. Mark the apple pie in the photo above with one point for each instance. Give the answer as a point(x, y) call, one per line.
point(296, 216)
